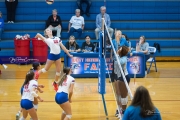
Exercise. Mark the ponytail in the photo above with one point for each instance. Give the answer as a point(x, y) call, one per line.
point(64, 77)
point(66, 71)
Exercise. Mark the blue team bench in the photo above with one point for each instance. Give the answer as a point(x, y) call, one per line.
point(90, 25)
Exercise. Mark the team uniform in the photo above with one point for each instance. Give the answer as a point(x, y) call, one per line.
point(62, 93)
point(118, 75)
point(55, 49)
point(35, 77)
point(29, 92)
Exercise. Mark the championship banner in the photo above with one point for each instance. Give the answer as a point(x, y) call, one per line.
point(82, 65)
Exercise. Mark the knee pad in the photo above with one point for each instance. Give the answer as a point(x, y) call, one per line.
point(58, 73)
point(35, 106)
point(43, 70)
point(124, 101)
point(69, 116)
point(63, 112)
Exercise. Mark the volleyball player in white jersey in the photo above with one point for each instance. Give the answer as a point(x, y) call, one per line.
point(29, 92)
point(54, 44)
point(66, 85)
point(122, 92)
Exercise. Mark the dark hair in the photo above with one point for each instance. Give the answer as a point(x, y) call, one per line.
point(65, 73)
point(87, 36)
point(126, 37)
point(143, 99)
point(124, 51)
point(143, 37)
point(74, 43)
point(29, 77)
point(35, 65)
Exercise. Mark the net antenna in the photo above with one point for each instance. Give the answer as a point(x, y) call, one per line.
point(104, 27)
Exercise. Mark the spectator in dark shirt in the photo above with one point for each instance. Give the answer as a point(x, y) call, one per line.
point(88, 46)
point(72, 45)
point(54, 23)
point(11, 10)
point(88, 3)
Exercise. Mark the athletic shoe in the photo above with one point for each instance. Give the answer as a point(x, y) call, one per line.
point(9, 21)
point(17, 116)
point(31, 119)
point(5, 66)
point(117, 113)
point(12, 21)
point(55, 85)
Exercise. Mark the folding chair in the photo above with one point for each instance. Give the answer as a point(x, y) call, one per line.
point(152, 59)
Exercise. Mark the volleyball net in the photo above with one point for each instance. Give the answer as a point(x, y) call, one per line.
point(106, 66)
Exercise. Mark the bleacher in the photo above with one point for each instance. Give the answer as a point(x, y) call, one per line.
point(158, 21)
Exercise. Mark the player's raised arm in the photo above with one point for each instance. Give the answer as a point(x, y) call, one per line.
point(65, 50)
point(38, 35)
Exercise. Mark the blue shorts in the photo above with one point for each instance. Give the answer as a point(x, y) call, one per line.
point(54, 57)
point(26, 104)
point(61, 97)
point(22, 90)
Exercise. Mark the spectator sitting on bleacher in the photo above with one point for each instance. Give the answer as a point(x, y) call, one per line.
point(88, 3)
point(11, 10)
point(72, 45)
point(99, 17)
point(1, 25)
point(76, 24)
point(143, 46)
point(54, 23)
point(88, 46)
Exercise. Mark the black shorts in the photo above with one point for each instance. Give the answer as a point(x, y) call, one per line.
point(121, 78)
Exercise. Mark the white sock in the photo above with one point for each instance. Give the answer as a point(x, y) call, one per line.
point(119, 108)
point(5, 66)
point(22, 118)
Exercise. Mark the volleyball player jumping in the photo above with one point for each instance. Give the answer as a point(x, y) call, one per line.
point(29, 92)
point(54, 44)
point(122, 92)
point(66, 85)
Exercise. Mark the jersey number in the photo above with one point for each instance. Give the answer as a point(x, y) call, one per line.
point(26, 86)
point(55, 41)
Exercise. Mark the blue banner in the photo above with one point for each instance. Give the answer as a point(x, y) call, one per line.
point(83, 65)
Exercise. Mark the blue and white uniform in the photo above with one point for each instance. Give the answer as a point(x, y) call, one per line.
point(55, 50)
point(117, 71)
point(29, 92)
point(62, 93)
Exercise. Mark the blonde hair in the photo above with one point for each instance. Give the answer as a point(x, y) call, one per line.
point(74, 43)
point(46, 36)
point(54, 10)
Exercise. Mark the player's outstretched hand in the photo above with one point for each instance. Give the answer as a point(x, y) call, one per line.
point(70, 56)
point(41, 100)
point(41, 86)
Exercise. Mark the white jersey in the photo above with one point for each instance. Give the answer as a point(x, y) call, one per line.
point(53, 44)
point(77, 22)
point(66, 84)
point(29, 90)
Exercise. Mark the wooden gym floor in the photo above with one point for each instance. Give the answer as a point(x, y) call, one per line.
point(164, 87)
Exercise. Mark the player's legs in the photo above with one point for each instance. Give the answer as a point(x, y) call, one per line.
point(24, 114)
point(33, 114)
point(67, 109)
point(47, 65)
point(58, 69)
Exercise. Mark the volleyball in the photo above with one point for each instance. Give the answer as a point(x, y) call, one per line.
point(49, 2)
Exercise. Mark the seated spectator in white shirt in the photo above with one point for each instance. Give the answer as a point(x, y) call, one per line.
point(54, 23)
point(88, 46)
point(99, 17)
point(72, 45)
point(76, 24)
